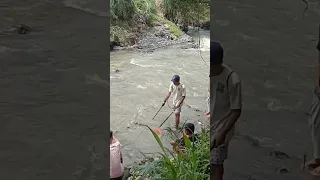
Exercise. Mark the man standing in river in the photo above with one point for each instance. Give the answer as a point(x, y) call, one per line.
point(179, 94)
point(314, 123)
point(225, 108)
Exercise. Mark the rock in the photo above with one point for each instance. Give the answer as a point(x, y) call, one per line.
point(205, 25)
point(117, 70)
point(282, 170)
point(23, 29)
point(279, 154)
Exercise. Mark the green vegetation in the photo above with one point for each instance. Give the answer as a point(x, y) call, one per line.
point(130, 17)
point(173, 28)
point(193, 163)
point(186, 12)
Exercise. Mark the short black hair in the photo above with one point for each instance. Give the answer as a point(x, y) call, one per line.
point(216, 53)
point(111, 134)
point(189, 127)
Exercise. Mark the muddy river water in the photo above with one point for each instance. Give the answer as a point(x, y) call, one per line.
point(141, 83)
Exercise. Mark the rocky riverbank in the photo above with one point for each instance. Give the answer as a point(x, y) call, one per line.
point(153, 38)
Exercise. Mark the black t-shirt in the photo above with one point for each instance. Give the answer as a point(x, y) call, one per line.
point(181, 142)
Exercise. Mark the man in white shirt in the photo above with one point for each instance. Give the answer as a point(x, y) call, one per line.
point(225, 109)
point(178, 90)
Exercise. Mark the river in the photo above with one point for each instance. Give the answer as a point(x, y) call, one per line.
point(141, 83)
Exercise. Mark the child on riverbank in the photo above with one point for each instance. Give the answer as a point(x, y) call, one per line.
point(179, 144)
point(116, 161)
point(226, 103)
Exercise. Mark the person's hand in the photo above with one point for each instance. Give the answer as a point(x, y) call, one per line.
point(115, 139)
point(218, 139)
point(176, 106)
point(164, 102)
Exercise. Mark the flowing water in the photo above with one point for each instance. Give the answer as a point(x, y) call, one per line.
point(139, 83)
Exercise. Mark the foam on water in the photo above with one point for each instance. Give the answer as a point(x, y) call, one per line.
point(135, 62)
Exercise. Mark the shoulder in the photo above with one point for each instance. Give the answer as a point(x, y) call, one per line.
point(234, 78)
point(115, 145)
point(183, 86)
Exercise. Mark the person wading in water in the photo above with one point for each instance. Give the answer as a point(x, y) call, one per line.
point(314, 123)
point(225, 109)
point(178, 90)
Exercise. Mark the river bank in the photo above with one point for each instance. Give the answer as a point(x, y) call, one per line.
point(153, 38)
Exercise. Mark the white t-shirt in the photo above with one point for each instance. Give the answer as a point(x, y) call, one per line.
point(224, 98)
point(177, 92)
point(116, 167)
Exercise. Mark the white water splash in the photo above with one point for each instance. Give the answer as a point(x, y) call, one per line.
point(141, 87)
point(135, 62)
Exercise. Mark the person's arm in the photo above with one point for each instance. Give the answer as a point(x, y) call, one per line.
point(168, 95)
point(235, 97)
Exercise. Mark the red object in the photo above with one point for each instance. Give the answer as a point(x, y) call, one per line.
point(159, 131)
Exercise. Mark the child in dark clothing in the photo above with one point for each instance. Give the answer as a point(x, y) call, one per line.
point(179, 144)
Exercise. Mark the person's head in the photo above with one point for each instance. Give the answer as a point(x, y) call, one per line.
point(176, 80)
point(189, 128)
point(216, 58)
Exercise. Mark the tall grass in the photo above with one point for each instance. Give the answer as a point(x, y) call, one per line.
point(186, 12)
point(125, 10)
point(191, 164)
point(121, 9)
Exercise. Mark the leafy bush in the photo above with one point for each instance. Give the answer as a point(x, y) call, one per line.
point(193, 163)
point(146, 8)
point(121, 9)
point(186, 12)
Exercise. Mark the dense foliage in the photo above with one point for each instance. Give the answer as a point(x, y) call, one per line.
point(128, 17)
point(193, 163)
